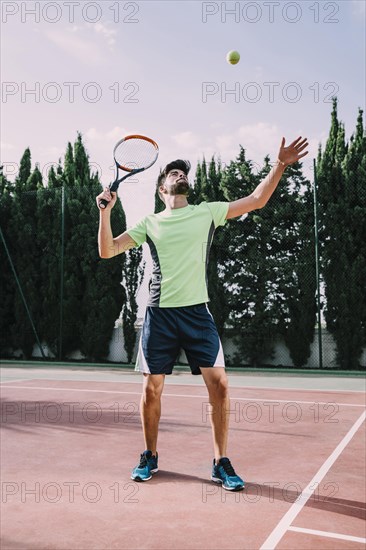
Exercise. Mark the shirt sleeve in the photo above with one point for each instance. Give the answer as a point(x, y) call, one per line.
point(218, 211)
point(138, 232)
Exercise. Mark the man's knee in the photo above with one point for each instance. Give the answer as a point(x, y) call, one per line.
point(152, 389)
point(219, 386)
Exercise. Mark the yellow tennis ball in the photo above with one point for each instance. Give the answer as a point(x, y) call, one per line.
point(233, 57)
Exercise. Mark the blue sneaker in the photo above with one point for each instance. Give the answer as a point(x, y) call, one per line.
point(148, 466)
point(224, 473)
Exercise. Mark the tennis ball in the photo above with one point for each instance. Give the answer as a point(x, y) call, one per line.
point(233, 57)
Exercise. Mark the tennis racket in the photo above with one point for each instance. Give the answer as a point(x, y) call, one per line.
point(132, 154)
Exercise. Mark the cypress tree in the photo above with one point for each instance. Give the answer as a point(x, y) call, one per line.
point(341, 181)
point(76, 223)
point(267, 271)
point(355, 169)
point(69, 166)
point(93, 291)
point(49, 213)
point(81, 163)
point(293, 276)
point(195, 191)
point(246, 271)
point(23, 228)
point(24, 171)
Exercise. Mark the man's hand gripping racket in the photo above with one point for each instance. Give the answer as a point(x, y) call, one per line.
point(132, 154)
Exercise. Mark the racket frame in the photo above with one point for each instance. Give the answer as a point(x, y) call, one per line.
point(131, 171)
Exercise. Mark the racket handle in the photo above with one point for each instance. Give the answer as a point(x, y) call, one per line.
point(103, 203)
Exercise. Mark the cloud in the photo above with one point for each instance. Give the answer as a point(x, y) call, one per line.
point(104, 31)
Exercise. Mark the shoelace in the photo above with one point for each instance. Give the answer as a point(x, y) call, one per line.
point(143, 461)
point(229, 470)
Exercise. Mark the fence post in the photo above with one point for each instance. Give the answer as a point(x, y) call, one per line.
point(320, 342)
point(62, 269)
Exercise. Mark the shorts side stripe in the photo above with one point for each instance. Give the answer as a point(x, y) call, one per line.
point(141, 363)
point(220, 358)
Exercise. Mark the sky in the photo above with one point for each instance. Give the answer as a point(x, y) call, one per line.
point(107, 69)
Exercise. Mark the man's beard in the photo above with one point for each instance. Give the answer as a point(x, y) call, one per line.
point(180, 187)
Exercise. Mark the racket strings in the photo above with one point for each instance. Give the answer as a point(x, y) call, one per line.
point(135, 153)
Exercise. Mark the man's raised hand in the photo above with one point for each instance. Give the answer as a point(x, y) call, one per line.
point(294, 152)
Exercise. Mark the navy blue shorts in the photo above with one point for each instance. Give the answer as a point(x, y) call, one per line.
point(168, 330)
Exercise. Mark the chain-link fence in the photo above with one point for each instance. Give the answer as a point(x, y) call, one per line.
point(60, 301)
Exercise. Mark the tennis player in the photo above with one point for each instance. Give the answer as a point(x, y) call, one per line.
point(177, 316)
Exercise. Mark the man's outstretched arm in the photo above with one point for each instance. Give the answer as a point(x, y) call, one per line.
point(262, 193)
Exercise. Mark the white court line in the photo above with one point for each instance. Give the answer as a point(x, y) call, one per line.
point(16, 380)
point(185, 395)
point(326, 534)
point(324, 390)
point(281, 528)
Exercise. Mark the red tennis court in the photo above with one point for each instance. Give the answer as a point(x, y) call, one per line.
point(70, 438)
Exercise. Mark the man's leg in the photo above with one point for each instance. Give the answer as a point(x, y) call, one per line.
point(217, 384)
point(222, 470)
point(150, 408)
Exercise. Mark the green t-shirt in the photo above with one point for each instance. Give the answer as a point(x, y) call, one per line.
point(179, 242)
